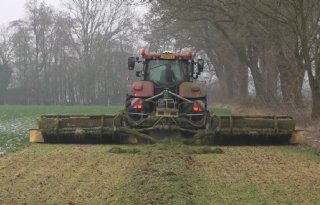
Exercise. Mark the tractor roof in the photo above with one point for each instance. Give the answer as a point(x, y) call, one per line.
point(167, 55)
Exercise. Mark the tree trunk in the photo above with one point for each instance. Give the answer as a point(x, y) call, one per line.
point(5, 75)
point(298, 87)
point(287, 79)
point(268, 68)
point(300, 77)
point(315, 103)
point(243, 74)
point(1, 98)
point(220, 73)
point(315, 87)
point(222, 82)
point(243, 80)
point(259, 82)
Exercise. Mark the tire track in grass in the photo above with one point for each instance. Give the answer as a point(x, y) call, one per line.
point(164, 176)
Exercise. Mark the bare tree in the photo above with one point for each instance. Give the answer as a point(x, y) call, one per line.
point(5, 58)
point(299, 19)
point(276, 40)
point(93, 24)
point(72, 56)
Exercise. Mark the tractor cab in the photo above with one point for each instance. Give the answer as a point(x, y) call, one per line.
point(167, 69)
point(167, 73)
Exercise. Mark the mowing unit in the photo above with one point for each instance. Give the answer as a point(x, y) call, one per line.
point(166, 103)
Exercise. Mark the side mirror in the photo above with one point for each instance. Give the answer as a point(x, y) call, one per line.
point(131, 63)
point(138, 74)
point(200, 65)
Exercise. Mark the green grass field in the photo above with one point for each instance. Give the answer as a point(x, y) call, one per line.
point(166, 173)
point(15, 121)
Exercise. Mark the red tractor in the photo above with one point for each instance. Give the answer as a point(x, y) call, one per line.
point(167, 98)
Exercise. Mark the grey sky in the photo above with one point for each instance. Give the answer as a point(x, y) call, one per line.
point(14, 9)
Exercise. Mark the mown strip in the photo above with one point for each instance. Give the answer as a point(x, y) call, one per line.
point(164, 176)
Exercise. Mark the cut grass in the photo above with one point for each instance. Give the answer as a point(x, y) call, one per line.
point(169, 173)
point(262, 175)
point(119, 150)
point(62, 174)
point(208, 150)
point(164, 176)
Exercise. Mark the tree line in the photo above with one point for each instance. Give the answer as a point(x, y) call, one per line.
point(274, 41)
point(74, 55)
point(78, 55)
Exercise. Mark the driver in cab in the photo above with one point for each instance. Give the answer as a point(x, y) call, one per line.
point(168, 76)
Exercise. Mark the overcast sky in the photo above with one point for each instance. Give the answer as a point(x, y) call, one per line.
point(14, 9)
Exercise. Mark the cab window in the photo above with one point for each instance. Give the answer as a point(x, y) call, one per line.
point(167, 72)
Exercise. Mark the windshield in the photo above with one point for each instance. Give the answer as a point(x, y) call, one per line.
point(167, 72)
